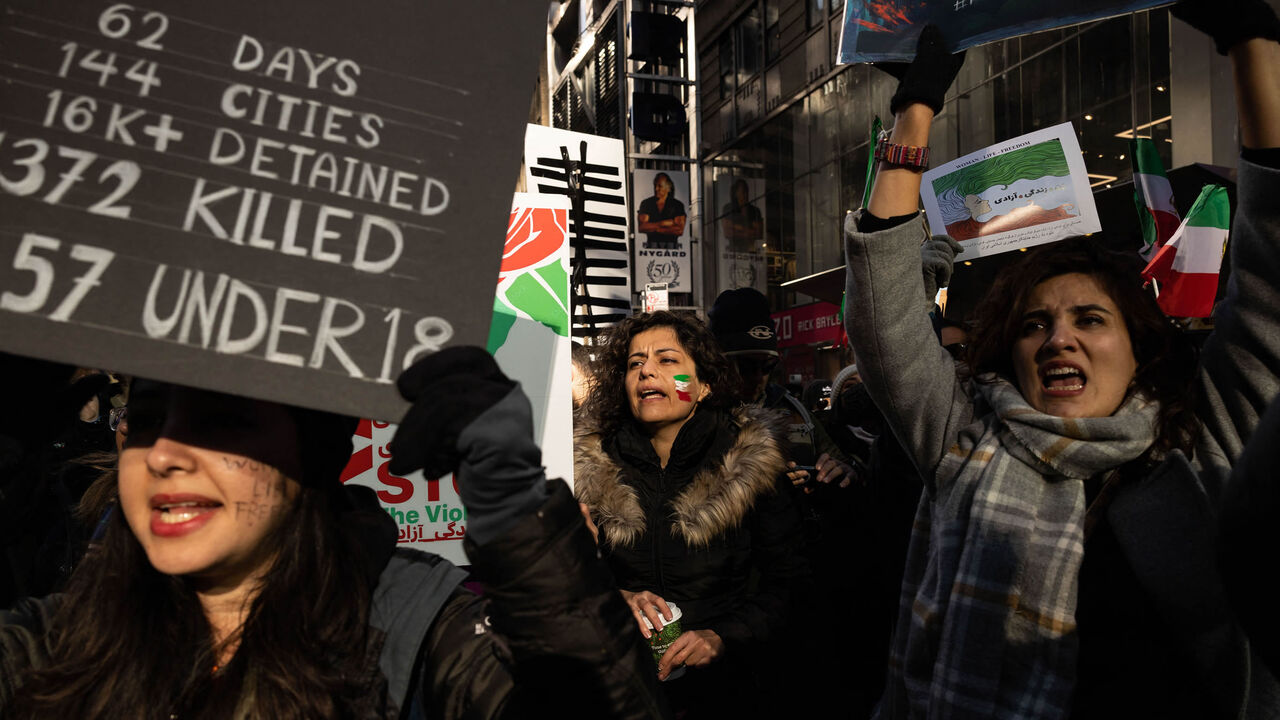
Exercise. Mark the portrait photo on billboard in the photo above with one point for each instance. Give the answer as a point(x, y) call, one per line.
point(661, 230)
point(740, 213)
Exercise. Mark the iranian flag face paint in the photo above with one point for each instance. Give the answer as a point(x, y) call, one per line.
point(682, 387)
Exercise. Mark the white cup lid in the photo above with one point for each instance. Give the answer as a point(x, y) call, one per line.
point(675, 615)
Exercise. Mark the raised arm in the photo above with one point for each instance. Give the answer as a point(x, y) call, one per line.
point(1246, 31)
point(910, 377)
point(552, 601)
point(1240, 364)
point(897, 189)
point(1255, 65)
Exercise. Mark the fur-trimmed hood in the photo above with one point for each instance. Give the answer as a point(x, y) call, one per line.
point(718, 497)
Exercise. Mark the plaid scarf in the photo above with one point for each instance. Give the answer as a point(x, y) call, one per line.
point(987, 622)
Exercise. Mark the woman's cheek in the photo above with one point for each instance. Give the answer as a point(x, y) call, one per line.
point(270, 498)
point(684, 387)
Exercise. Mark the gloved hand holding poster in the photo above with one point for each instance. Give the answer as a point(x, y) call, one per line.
point(1027, 191)
point(886, 30)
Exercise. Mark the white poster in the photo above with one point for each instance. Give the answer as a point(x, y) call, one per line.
point(589, 168)
point(661, 233)
point(1027, 191)
point(529, 338)
point(428, 512)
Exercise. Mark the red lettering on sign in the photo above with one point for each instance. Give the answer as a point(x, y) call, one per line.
point(403, 485)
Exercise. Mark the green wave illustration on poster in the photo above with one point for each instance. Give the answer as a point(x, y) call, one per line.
point(1036, 175)
point(1029, 163)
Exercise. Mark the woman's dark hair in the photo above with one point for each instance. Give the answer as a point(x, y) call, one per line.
point(101, 493)
point(608, 403)
point(580, 355)
point(129, 639)
point(1166, 357)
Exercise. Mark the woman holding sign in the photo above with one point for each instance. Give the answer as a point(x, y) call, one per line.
point(1062, 558)
point(684, 487)
point(241, 579)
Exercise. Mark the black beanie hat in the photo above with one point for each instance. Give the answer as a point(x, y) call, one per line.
point(740, 320)
point(324, 439)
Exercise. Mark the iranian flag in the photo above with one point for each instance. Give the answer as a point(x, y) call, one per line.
point(1153, 196)
point(1186, 268)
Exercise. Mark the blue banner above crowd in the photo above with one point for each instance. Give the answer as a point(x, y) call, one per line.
point(886, 30)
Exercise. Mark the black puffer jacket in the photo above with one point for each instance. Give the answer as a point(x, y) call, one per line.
point(714, 531)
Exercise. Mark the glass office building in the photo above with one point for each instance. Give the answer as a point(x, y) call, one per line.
point(779, 115)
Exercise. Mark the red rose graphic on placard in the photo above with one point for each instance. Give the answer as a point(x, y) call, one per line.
point(533, 234)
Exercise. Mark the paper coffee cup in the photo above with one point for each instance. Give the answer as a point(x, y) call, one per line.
point(660, 640)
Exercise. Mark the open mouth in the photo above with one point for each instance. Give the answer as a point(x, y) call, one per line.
point(651, 394)
point(180, 512)
point(1063, 379)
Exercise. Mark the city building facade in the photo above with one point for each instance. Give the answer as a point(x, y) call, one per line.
point(781, 134)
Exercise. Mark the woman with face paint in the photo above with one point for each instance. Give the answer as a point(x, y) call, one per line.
point(1062, 557)
point(238, 577)
point(684, 486)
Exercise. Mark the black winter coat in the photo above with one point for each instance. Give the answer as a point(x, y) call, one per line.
point(715, 531)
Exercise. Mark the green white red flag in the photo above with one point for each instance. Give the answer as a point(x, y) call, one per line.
point(1186, 267)
point(1153, 196)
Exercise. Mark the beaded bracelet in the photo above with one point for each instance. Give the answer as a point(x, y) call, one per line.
point(908, 156)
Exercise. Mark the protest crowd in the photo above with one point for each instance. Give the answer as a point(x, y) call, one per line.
point(1061, 507)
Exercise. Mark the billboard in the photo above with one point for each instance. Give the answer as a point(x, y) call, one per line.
point(740, 221)
point(661, 233)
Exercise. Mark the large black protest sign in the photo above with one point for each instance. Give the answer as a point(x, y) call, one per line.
point(289, 200)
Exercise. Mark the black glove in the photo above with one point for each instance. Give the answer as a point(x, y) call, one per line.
point(467, 415)
point(449, 390)
point(937, 260)
point(926, 78)
point(1229, 23)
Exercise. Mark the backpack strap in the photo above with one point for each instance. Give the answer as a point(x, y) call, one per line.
point(410, 592)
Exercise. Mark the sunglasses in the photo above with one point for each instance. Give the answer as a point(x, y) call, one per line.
point(118, 420)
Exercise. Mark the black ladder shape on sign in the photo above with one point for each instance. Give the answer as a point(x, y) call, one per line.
point(577, 196)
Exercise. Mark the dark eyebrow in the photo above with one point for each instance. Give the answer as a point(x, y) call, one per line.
point(655, 352)
point(1075, 310)
point(1082, 309)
